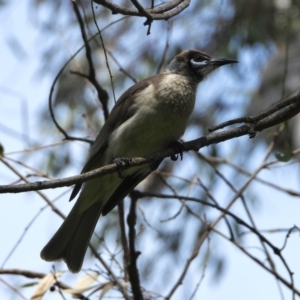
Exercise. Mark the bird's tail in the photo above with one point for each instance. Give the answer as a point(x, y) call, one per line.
point(71, 240)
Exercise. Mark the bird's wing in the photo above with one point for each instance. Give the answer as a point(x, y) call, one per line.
point(122, 111)
point(126, 186)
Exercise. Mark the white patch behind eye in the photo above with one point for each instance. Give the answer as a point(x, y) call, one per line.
point(198, 63)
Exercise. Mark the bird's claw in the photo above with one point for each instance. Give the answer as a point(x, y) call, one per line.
point(178, 147)
point(119, 163)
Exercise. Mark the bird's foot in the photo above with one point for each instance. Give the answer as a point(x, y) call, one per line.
point(119, 162)
point(178, 147)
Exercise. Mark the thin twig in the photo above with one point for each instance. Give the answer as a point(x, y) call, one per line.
point(261, 264)
point(15, 289)
point(106, 59)
point(111, 273)
point(54, 208)
point(68, 137)
point(244, 204)
point(122, 289)
point(246, 173)
point(253, 119)
point(212, 138)
point(225, 211)
point(204, 269)
point(163, 58)
point(142, 10)
point(126, 257)
point(193, 255)
point(18, 242)
point(121, 69)
point(102, 93)
point(132, 267)
point(162, 12)
point(31, 274)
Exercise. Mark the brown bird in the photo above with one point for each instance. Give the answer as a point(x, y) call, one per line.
point(148, 117)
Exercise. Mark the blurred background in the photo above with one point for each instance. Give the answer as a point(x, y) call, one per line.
point(37, 39)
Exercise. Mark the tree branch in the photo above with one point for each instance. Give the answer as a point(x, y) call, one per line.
point(268, 112)
point(126, 254)
point(142, 10)
point(261, 123)
point(212, 227)
point(102, 93)
point(60, 129)
point(162, 12)
point(132, 267)
point(31, 274)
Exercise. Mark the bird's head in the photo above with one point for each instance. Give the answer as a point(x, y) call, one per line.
point(196, 64)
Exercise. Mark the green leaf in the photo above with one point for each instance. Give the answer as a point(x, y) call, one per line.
point(285, 156)
point(30, 284)
point(1, 150)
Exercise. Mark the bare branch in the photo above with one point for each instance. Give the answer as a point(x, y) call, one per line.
point(102, 93)
point(168, 37)
point(193, 255)
point(142, 10)
point(126, 255)
point(68, 137)
point(31, 274)
point(212, 138)
point(266, 113)
point(106, 59)
point(162, 12)
point(212, 227)
point(261, 264)
point(13, 288)
point(132, 267)
point(111, 273)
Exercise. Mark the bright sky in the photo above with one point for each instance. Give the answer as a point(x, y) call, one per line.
point(23, 94)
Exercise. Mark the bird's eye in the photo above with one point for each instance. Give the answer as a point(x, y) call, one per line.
point(198, 61)
point(198, 58)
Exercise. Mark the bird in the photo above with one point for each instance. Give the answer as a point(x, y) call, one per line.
point(148, 117)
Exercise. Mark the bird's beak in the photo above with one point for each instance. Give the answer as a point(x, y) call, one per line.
point(221, 62)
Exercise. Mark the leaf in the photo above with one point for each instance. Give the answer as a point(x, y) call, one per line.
point(106, 287)
point(83, 284)
point(44, 285)
point(86, 281)
point(30, 284)
point(1, 150)
point(286, 155)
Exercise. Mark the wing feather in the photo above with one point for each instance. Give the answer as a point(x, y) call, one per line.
point(122, 111)
point(127, 185)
